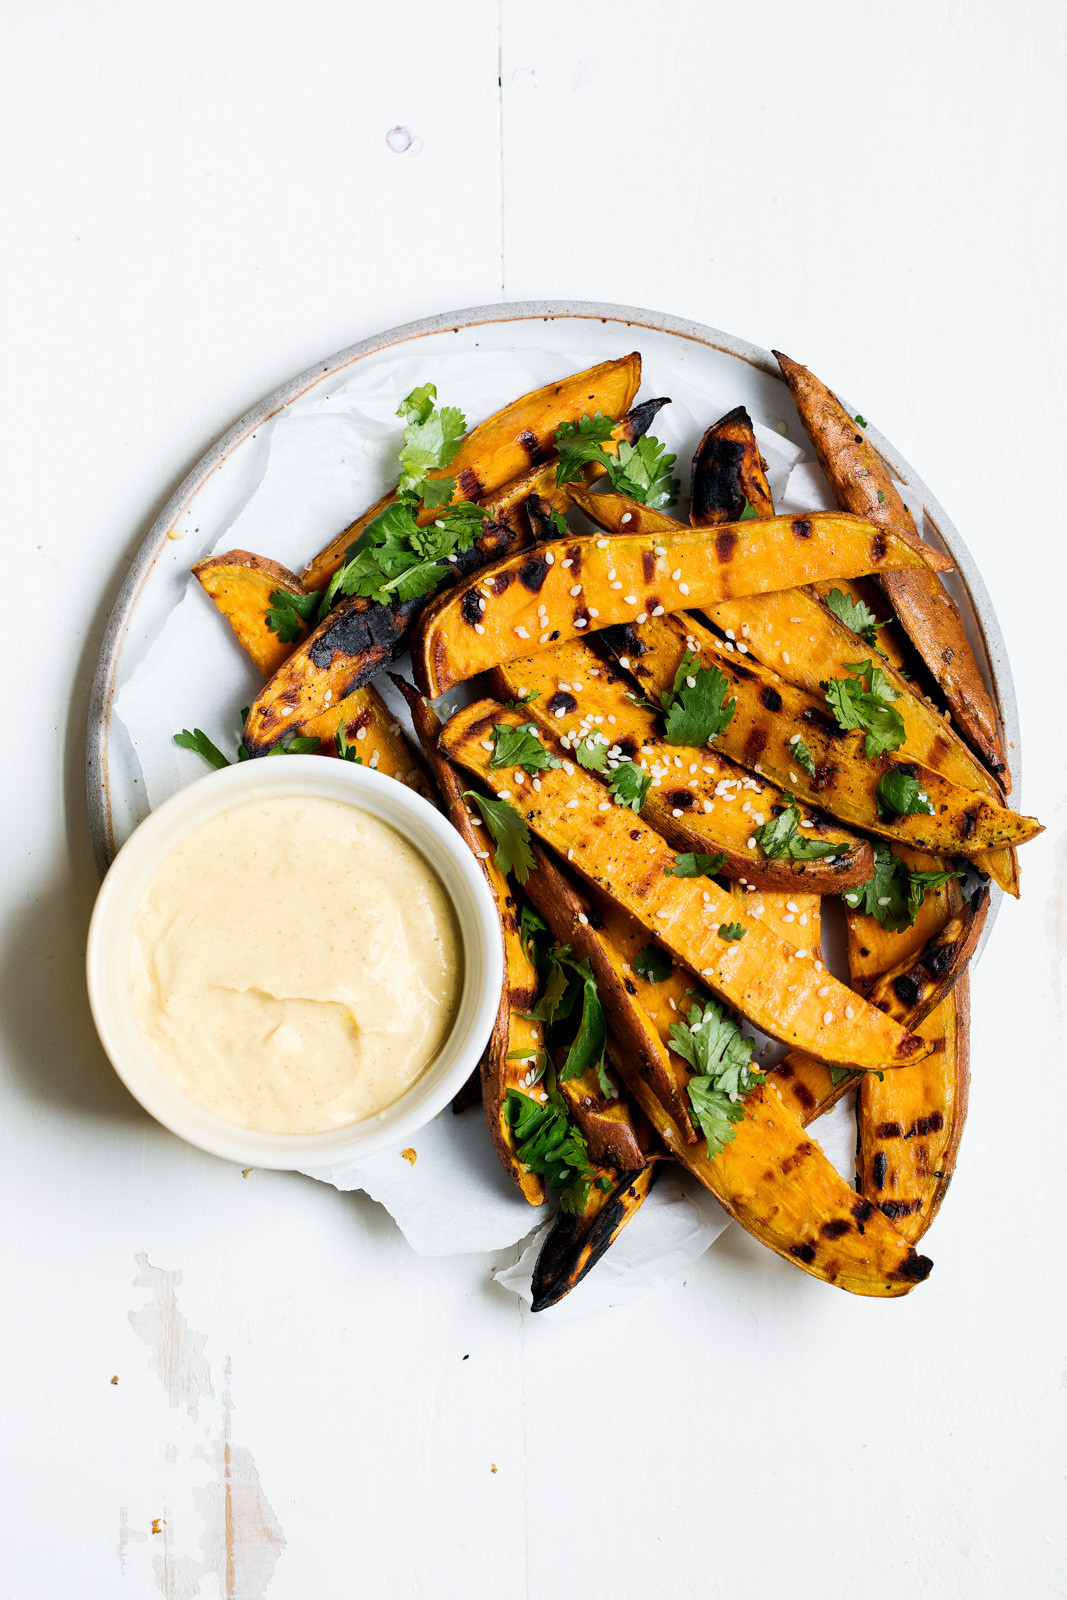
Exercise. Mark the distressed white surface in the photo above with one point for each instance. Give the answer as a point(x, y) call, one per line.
point(203, 201)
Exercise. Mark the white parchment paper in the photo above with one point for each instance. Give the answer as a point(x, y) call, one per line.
point(326, 459)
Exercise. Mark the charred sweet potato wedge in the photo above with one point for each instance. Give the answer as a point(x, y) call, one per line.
point(799, 638)
point(574, 922)
point(767, 979)
point(874, 949)
point(910, 1123)
point(912, 990)
point(576, 1243)
point(508, 444)
point(862, 483)
point(606, 1124)
point(516, 1040)
point(770, 715)
point(697, 800)
point(728, 473)
point(241, 584)
point(374, 734)
point(565, 587)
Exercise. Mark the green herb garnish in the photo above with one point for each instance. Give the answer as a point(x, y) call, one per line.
point(690, 864)
point(895, 893)
point(289, 613)
point(901, 795)
point(520, 747)
point(641, 471)
point(865, 702)
point(510, 834)
point(804, 756)
point(198, 740)
point(693, 707)
point(733, 931)
point(628, 785)
point(781, 838)
point(713, 1044)
point(857, 616)
point(653, 964)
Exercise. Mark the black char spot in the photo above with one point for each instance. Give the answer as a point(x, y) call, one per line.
point(470, 607)
point(561, 703)
point(629, 987)
point(968, 822)
point(724, 544)
point(931, 1124)
point(771, 698)
point(899, 1208)
point(628, 747)
point(803, 1252)
point(863, 1211)
point(915, 1268)
point(635, 833)
point(531, 445)
point(533, 573)
point(681, 799)
point(889, 1130)
point(500, 582)
point(834, 1230)
point(879, 546)
point(648, 565)
point(938, 959)
point(906, 989)
point(878, 1170)
point(801, 528)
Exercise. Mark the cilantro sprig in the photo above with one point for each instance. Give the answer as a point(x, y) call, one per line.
point(899, 794)
point(864, 701)
point(510, 835)
point(394, 558)
point(290, 613)
point(520, 747)
point(628, 785)
point(547, 1142)
point(803, 756)
point(196, 739)
point(695, 708)
point(857, 616)
point(691, 864)
point(642, 471)
point(781, 838)
point(721, 1056)
point(731, 931)
point(653, 964)
point(894, 893)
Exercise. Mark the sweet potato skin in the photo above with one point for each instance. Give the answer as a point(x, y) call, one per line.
point(614, 850)
point(862, 483)
point(913, 989)
point(241, 584)
point(685, 804)
point(577, 1243)
point(728, 470)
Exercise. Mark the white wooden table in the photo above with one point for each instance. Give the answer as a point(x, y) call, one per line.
point(250, 1387)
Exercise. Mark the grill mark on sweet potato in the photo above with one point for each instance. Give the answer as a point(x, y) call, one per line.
point(561, 704)
point(803, 1252)
point(906, 989)
point(725, 543)
point(878, 1170)
point(628, 746)
point(862, 1212)
point(915, 1268)
point(968, 822)
point(879, 546)
point(889, 1130)
point(648, 567)
point(500, 582)
point(679, 798)
point(470, 485)
point(470, 608)
point(931, 1124)
point(755, 743)
point(533, 573)
point(771, 698)
point(835, 1229)
point(899, 1208)
point(801, 1091)
point(532, 445)
point(800, 1154)
point(629, 986)
point(801, 528)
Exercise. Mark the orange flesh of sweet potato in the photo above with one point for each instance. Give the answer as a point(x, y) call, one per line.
point(697, 800)
point(606, 1125)
point(507, 445)
point(802, 641)
point(767, 979)
point(727, 472)
point(912, 990)
point(516, 1040)
point(873, 948)
point(529, 598)
point(770, 712)
point(910, 1124)
point(374, 734)
point(241, 584)
point(861, 482)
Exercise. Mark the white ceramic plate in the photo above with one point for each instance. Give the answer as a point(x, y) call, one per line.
point(713, 370)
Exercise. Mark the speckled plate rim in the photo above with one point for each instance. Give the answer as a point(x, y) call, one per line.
point(985, 622)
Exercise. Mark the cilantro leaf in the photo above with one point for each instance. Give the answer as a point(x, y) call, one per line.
point(865, 701)
point(198, 740)
point(781, 838)
point(692, 865)
point(894, 894)
point(694, 708)
point(550, 1006)
point(292, 744)
point(289, 612)
point(881, 497)
point(803, 756)
point(588, 1047)
point(578, 443)
point(435, 492)
point(857, 616)
point(861, 420)
point(559, 522)
point(713, 1044)
point(643, 472)
point(901, 795)
point(530, 925)
point(732, 931)
point(346, 751)
point(748, 513)
point(592, 753)
point(629, 785)
point(520, 747)
point(653, 964)
point(510, 834)
point(429, 443)
point(550, 1145)
point(416, 407)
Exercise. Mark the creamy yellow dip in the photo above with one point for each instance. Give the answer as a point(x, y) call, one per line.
point(296, 965)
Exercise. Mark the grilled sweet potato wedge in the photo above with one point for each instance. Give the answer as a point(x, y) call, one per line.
point(874, 949)
point(374, 734)
point(574, 922)
point(241, 584)
point(577, 1243)
point(800, 638)
point(765, 978)
point(697, 800)
point(769, 713)
point(565, 588)
point(910, 1123)
point(728, 472)
point(912, 990)
point(861, 482)
point(606, 1124)
point(507, 445)
point(516, 1040)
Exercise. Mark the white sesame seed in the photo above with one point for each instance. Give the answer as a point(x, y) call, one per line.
point(827, 1018)
point(675, 812)
point(522, 633)
point(482, 855)
point(481, 605)
point(624, 662)
point(785, 657)
point(659, 550)
point(572, 805)
point(616, 585)
point(789, 918)
point(593, 613)
point(800, 954)
point(883, 900)
point(849, 1013)
point(684, 587)
point(709, 805)
point(663, 915)
point(626, 516)
point(543, 639)
point(583, 919)
point(519, 777)
point(757, 911)
point(550, 559)
point(504, 794)
point(730, 634)
point(751, 844)
point(576, 590)
point(611, 574)
point(803, 919)
point(791, 905)
point(657, 611)
point(605, 805)
point(542, 611)
point(579, 622)
point(794, 738)
point(570, 855)
point(537, 785)
point(361, 733)
point(487, 744)
point(567, 563)
point(602, 544)
point(676, 574)
point(806, 822)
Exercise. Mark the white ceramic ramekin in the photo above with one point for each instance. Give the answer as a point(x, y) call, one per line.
point(111, 933)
